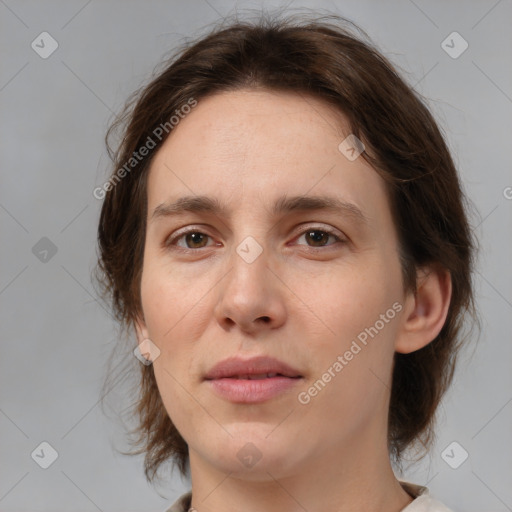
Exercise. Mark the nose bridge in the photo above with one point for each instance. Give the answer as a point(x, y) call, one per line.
point(249, 293)
point(249, 263)
point(251, 252)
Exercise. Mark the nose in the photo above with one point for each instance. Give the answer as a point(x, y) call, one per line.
point(250, 296)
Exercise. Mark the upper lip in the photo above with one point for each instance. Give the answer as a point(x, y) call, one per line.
point(236, 366)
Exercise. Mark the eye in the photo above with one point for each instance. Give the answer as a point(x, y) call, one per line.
point(319, 237)
point(315, 238)
point(192, 239)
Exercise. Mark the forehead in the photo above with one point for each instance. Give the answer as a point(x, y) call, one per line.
point(253, 146)
point(267, 126)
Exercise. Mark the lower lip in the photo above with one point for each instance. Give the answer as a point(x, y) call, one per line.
point(246, 391)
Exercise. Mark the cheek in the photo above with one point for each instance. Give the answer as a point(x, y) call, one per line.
point(173, 392)
point(170, 300)
point(352, 367)
point(169, 314)
point(343, 302)
point(175, 314)
point(358, 323)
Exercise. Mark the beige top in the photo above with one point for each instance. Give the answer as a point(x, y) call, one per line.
point(423, 502)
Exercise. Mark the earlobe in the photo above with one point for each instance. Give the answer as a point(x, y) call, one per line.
point(426, 310)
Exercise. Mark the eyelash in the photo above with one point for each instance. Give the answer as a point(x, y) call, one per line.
point(170, 243)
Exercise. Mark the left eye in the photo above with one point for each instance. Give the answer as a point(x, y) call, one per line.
point(319, 237)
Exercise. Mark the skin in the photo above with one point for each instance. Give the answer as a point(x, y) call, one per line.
point(247, 148)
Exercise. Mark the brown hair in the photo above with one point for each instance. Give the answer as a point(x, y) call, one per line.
point(403, 143)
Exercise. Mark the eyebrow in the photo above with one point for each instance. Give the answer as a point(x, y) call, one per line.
point(282, 205)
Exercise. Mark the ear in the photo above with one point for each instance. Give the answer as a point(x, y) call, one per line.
point(425, 310)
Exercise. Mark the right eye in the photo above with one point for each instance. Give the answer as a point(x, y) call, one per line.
point(193, 239)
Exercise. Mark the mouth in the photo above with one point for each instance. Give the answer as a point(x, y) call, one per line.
point(261, 367)
point(252, 389)
point(253, 380)
point(259, 376)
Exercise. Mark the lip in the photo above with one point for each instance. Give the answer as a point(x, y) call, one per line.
point(234, 366)
point(229, 379)
point(252, 391)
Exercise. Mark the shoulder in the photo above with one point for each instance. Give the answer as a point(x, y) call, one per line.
point(182, 504)
point(423, 502)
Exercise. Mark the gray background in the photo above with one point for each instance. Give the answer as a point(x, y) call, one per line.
point(56, 337)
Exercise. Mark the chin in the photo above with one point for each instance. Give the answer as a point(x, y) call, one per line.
point(251, 454)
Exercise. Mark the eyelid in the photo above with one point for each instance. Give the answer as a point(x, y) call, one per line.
point(302, 230)
point(340, 237)
point(171, 240)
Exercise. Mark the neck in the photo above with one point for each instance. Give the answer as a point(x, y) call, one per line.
point(359, 477)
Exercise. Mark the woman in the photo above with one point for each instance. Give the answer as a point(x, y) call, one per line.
point(284, 229)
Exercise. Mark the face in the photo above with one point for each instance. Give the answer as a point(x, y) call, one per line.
point(312, 284)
